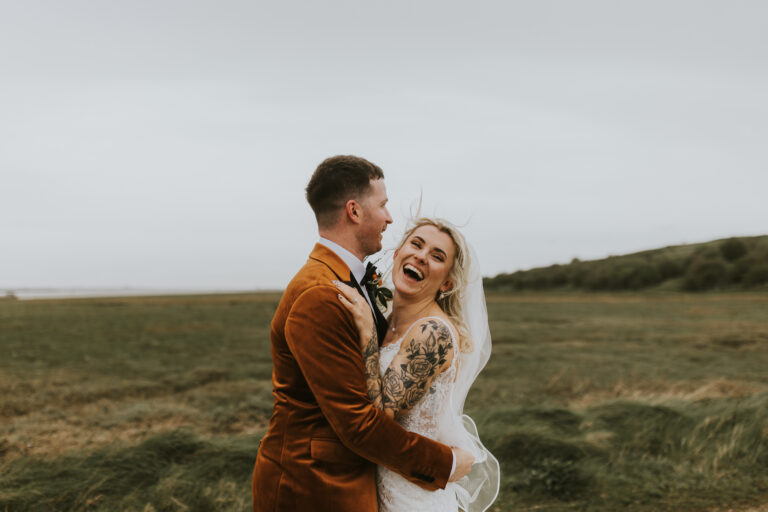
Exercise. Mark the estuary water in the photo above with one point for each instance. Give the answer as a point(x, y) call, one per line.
point(70, 293)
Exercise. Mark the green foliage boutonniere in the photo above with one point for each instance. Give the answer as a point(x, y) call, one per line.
point(379, 294)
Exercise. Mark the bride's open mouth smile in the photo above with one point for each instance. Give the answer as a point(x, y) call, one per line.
point(412, 273)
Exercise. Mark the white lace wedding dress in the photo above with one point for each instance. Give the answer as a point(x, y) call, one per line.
point(396, 494)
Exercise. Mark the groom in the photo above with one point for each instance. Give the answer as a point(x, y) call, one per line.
point(325, 436)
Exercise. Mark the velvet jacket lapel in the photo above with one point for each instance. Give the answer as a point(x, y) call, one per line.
point(381, 324)
point(330, 259)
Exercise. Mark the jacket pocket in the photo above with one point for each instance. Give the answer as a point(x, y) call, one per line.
point(330, 450)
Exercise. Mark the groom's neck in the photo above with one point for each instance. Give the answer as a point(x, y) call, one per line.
point(344, 238)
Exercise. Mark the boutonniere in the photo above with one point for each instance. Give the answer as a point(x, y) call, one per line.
point(379, 293)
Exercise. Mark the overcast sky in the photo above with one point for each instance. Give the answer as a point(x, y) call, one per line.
point(167, 143)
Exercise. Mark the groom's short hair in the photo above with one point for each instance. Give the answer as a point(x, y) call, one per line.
point(337, 180)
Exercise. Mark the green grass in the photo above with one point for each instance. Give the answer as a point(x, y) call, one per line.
point(597, 402)
point(169, 471)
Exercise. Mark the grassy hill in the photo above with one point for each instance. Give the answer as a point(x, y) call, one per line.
point(733, 263)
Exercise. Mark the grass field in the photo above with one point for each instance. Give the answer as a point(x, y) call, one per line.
point(590, 401)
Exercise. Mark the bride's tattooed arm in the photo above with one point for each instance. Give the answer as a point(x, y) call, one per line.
point(426, 350)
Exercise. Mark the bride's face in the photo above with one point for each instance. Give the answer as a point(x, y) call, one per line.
point(423, 262)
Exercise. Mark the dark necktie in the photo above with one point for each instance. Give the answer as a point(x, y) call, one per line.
point(353, 283)
point(370, 286)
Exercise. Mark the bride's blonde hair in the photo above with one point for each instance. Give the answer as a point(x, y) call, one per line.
point(450, 301)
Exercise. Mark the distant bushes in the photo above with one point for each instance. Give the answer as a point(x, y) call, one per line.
point(705, 274)
point(740, 269)
point(733, 249)
point(669, 269)
point(722, 264)
point(623, 274)
point(756, 275)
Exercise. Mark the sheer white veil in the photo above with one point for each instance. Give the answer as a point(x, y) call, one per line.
point(480, 488)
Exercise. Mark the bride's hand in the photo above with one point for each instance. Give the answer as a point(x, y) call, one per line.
point(361, 312)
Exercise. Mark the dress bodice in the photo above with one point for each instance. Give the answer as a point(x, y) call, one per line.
point(395, 493)
point(422, 418)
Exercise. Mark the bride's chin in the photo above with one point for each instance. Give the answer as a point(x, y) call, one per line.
point(411, 294)
point(402, 289)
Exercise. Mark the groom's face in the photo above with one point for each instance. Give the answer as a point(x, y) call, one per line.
point(374, 218)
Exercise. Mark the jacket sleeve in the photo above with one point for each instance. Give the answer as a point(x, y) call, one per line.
point(322, 337)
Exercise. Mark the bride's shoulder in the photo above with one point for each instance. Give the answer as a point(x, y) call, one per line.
point(433, 324)
point(434, 332)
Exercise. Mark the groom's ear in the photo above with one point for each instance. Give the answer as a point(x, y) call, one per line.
point(352, 211)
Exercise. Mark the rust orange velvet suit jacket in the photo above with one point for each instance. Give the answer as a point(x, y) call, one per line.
point(325, 436)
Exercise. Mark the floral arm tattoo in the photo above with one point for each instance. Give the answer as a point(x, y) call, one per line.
point(371, 359)
point(412, 371)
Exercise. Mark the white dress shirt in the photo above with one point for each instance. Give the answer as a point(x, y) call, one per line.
point(357, 268)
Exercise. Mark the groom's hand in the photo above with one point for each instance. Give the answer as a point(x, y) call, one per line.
point(464, 461)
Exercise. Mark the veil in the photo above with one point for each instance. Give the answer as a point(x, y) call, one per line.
point(479, 489)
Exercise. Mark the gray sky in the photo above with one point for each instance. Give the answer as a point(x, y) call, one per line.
point(167, 144)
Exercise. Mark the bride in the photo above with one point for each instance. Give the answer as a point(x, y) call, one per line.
point(436, 344)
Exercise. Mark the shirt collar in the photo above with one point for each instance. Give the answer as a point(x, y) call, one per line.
point(356, 267)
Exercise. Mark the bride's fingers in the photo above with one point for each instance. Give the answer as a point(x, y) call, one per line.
point(349, 292)
point(347, 304)
point(348, 295)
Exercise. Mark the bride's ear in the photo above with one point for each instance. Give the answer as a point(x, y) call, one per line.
point(447, 286)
